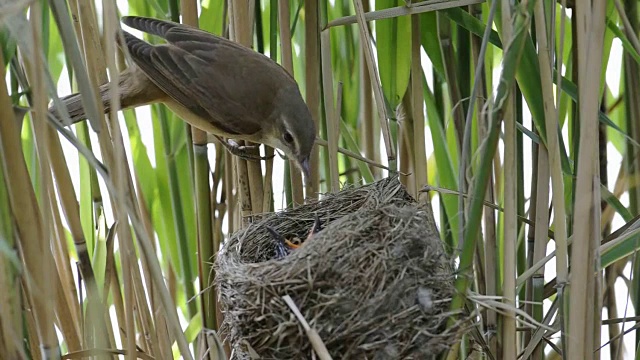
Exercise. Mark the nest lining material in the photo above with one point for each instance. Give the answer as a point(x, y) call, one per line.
point(375, 283)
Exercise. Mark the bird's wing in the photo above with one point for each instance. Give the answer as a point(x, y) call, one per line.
point(194, 83)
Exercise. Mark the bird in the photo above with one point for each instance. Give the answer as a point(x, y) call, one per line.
point(284, 245)
point(214, 84)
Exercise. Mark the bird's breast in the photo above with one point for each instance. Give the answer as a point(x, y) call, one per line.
point(208, 124)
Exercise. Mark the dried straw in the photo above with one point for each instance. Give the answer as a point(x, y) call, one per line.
point(374, 284)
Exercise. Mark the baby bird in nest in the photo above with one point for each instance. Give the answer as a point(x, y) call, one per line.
point(284, 245)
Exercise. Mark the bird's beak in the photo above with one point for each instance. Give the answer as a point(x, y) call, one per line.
point(305, 166)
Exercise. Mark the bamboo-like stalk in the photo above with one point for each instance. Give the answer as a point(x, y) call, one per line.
point(406, 9)
point(92, 204)
point(491, 270)
point(95, 61)
point(46, 272)
point(113, 147)
point(11, 327)
point(631, 96)
point(537, 283)
point(86, 82)
point(492, 273)
point(184, 259)
point(451, 76)
point(507, 77)
point(220, 206)
point(30, 323)
point(365, 42)
point(330, 111)
point(144, 242)
point(144, 318)
point(611, 275)
point(541, 228)
point(494, 242)
point(243, 24)
point(232, 201)
point(508, 318)
point(551, 121)
point(251, 193)
point(629, 27)
point(206, 251)
point(162, 346)
point(127, 253)
point(417, 102)
point(312, 82)
point(72, 216)
point(28, 220)
point(63, 261)
point(404, 114)
point(369, 136)
point(584, 318)
point(284, 22)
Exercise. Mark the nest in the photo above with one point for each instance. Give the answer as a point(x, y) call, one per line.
point(375, 283)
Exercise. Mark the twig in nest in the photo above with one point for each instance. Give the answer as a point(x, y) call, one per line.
point(314, 338)
point(351, 154)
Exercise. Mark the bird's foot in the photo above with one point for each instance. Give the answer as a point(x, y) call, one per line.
point(242, 151)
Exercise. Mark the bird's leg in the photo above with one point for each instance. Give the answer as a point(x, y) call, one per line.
point(241, 151)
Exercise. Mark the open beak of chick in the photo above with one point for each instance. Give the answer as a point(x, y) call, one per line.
point(284, 245)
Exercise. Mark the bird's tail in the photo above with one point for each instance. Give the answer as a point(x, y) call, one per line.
point(135, 89)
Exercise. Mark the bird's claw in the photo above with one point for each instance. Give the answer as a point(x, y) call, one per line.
point(242, 151)
point(282, 156)
point(233, 143)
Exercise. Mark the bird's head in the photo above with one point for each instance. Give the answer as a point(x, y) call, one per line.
point(293, 129)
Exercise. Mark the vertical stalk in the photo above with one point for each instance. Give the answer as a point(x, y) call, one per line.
point(557, 181)
point(404, 114)
point(312, 81)
point(507, 77)
point(632, 113)
point(365, 39)
point(206, 252)
point(584, 318)
point(11, 327)
point(508, 319)
point(330, 110)
point(249, 172)
point(369, 129)
point(287, 61)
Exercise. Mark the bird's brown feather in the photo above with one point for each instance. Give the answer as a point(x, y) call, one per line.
point(208, 74)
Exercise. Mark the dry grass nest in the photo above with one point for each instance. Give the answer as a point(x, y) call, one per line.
point(375, 283)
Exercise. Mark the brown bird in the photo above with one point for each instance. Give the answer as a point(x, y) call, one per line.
point(214, 84)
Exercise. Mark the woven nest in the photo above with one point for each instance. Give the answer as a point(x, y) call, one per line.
point(375, 283)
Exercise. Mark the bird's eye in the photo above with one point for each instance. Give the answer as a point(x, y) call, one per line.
point(287, 137)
